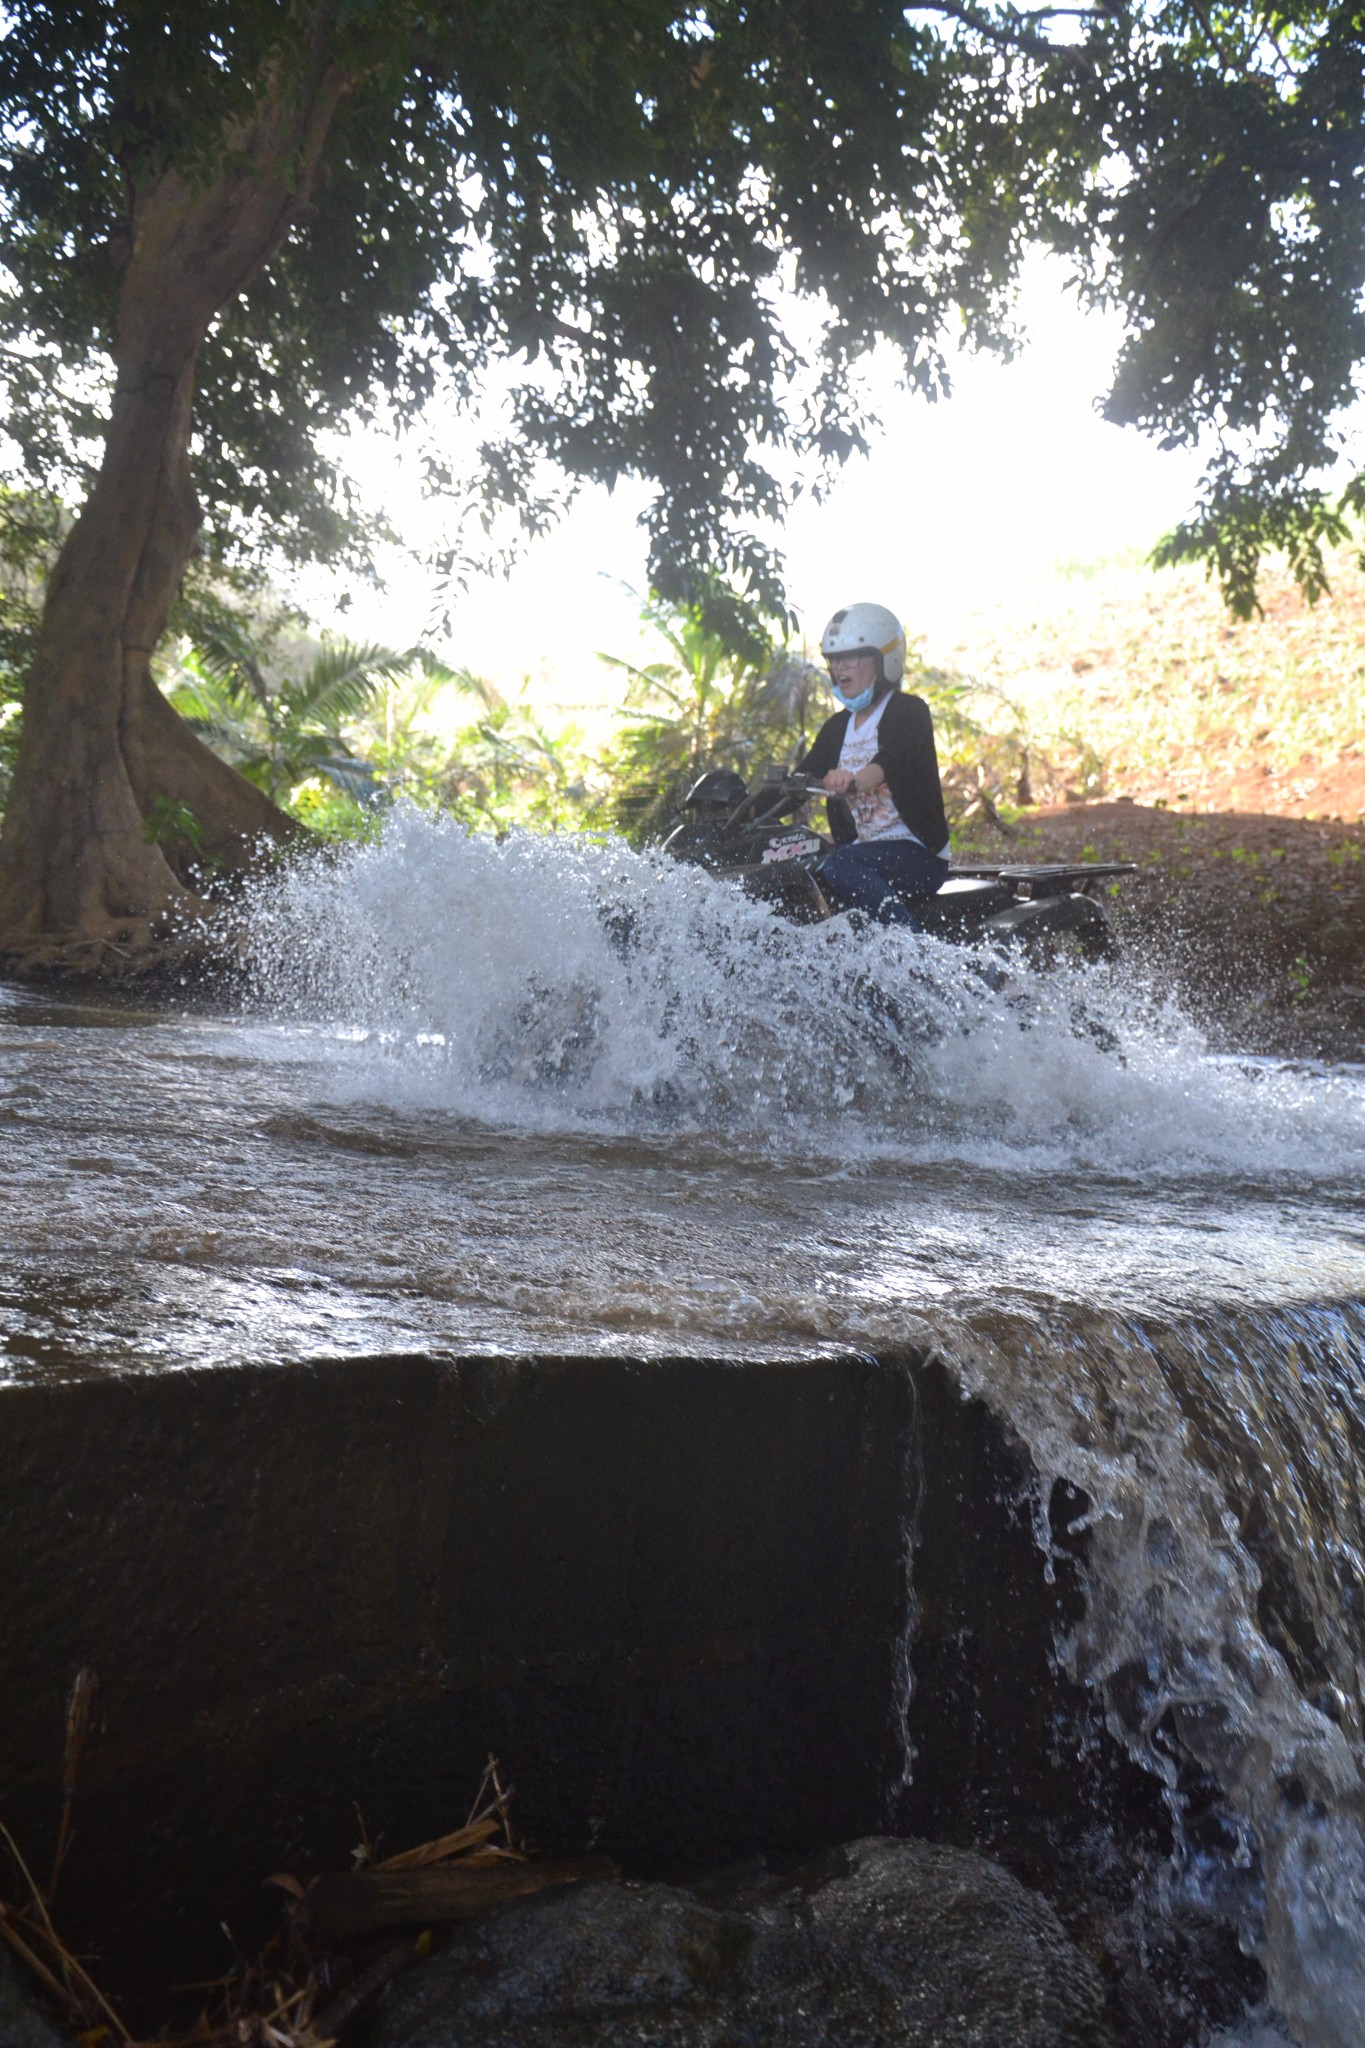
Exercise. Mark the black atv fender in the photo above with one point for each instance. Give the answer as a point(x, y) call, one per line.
point(1038, 926)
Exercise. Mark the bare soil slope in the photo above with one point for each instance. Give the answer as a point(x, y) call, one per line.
point(1227, 760)
point(1258, 917)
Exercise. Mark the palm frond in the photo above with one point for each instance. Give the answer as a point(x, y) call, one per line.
point(346, 771)
point(225, 654)
point(467, 683)
point(215, 710)
point(425, 683)
point(343, 681)
point(660, 679)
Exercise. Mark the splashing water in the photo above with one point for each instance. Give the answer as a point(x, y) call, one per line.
point(559, 983)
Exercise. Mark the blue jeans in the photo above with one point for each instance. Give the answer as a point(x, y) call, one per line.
point(884, 877)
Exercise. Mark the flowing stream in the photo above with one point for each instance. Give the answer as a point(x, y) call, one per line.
point(553, 1096)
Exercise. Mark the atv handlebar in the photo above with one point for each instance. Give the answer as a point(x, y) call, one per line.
point(770, 799)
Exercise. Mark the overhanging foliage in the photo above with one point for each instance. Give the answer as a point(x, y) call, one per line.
point(610, 192)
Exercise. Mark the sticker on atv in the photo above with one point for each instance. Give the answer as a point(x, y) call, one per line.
point(790, 849)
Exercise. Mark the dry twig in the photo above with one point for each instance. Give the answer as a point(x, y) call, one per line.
point(80, 1714)
point(31, 1934)
point(288, 1997)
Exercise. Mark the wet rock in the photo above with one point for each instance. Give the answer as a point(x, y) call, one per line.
point(883, 1944)
point(21, 2024)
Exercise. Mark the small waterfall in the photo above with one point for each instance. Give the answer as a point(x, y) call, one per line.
point(1221, 1458)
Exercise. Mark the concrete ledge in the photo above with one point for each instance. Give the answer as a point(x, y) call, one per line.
point(672, 1596)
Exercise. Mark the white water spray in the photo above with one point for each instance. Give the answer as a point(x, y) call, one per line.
point(559, 983)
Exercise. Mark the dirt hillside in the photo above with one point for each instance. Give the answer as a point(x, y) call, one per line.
point(1226, 759)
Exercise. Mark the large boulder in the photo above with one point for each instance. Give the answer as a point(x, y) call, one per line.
point(882, 1944)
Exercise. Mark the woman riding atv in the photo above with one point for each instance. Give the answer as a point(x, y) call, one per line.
point(878, 754)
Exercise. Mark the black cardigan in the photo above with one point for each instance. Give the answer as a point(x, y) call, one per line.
point(905, 754)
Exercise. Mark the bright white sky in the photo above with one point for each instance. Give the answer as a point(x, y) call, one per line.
point(960, 502)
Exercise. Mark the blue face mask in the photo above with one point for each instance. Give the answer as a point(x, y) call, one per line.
point(858, 703)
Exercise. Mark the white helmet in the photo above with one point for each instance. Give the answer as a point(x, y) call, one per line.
point(867, 629)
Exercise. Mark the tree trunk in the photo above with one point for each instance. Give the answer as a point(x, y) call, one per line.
point(100, 744)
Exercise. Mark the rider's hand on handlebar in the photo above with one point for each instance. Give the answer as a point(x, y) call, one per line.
point(839, 782)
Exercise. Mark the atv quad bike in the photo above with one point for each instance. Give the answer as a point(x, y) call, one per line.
point(760, 839)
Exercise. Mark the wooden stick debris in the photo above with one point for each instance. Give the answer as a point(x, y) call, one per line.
point(361, 1901)
point(457, 1844)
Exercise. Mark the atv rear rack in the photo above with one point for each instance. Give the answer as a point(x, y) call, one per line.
point(1055, 878)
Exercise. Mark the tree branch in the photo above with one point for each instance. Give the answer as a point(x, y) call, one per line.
point(1006, 37)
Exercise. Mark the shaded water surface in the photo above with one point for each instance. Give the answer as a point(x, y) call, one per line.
point(557, 1098)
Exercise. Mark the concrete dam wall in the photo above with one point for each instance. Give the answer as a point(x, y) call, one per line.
point(698, 1610)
